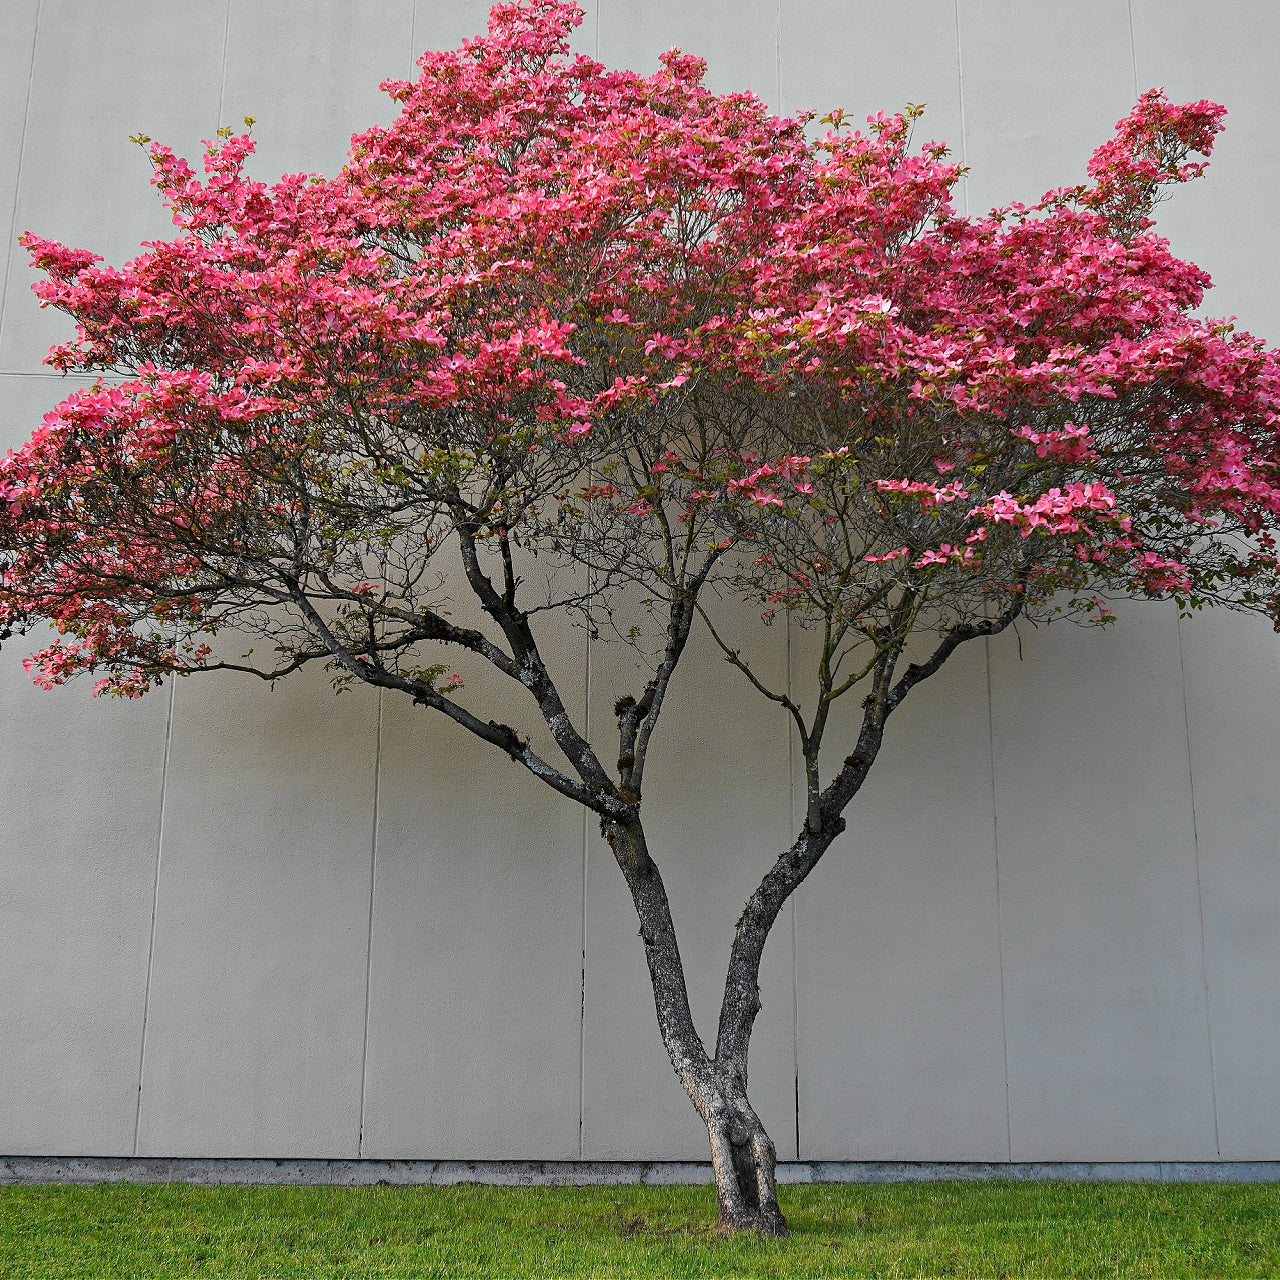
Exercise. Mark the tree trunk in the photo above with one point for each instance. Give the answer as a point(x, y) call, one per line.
point(744, 1160)
point(742, 1153)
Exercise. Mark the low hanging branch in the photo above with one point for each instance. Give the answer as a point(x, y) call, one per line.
point(563, 325)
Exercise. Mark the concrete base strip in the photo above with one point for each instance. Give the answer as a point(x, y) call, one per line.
point(29, 1170)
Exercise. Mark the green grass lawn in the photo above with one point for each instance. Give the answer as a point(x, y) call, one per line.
point(983, 1229)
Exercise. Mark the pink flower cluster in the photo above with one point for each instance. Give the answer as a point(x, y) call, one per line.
point(542, 260)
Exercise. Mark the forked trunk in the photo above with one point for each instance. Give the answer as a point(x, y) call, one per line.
point(742, 1153)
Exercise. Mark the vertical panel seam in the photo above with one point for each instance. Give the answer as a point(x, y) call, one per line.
point(377, 802)
point(226, 42)
point(368, 952)
point(777, 58)
point(995, 849)
point(1191, 779)
point(986, 657)
point(582, 918)
point(964, 127)
point(164, 769)
point(17, 177)
point(155, 903)
point(1204, 951)
point(1133, 50)
point(791, 750)
point(795, 982)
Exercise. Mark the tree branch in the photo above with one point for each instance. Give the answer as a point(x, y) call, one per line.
point(741, 1001)
point(950, 643)
point(683, 602)
point(603, 801)
point(735, 658)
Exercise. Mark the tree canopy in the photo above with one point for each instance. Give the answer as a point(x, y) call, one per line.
point(557, 314)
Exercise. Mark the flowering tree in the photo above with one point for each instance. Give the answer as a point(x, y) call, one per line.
point(561, 315)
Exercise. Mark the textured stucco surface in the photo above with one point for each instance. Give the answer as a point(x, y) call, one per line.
point(241, 923)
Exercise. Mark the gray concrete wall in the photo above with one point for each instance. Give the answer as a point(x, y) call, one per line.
point(247, 924)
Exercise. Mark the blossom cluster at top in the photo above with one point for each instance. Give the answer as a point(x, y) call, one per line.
point(541, 255)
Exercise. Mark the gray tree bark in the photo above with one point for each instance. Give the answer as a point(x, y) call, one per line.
point(743, 1155)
